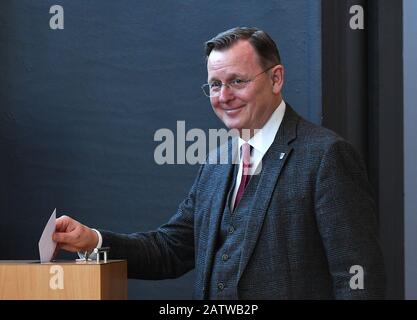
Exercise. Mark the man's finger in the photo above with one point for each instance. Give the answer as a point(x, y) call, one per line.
point(62, 223)
point(62, 237)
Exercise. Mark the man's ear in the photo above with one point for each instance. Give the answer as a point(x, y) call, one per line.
point(277, 78)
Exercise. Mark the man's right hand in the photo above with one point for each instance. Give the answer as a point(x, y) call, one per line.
point(73, 236)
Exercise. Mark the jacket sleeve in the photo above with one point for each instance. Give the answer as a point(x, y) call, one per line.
point(167, 252)
point(347, 222)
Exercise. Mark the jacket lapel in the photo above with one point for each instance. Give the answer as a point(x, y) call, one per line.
point(272, 164)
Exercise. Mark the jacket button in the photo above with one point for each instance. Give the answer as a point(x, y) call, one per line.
point(220, 285)
point(231, 230)
point(225, 257)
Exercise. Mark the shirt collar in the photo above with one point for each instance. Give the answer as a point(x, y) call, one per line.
point(264, 138)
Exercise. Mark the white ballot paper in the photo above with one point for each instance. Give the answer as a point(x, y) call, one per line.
point(46, 244)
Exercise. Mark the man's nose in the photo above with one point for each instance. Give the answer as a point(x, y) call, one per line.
point(226, 93)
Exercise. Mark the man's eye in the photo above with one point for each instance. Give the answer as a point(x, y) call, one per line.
point(237, 82)
point(215, 85)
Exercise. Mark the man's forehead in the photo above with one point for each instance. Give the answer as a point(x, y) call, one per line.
point(239, 56)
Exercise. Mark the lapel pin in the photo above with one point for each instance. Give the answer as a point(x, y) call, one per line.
point(281, 155)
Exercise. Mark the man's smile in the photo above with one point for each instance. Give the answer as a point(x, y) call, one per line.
point(232, 110)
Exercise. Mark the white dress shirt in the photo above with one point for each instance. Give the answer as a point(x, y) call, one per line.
point(260, 143)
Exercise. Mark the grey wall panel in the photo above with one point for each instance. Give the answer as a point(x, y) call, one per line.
point(410, 147)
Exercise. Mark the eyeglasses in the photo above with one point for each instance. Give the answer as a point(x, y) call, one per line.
point(214, 88)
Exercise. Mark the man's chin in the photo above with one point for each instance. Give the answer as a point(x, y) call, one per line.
point(237, 129)
point(233, 125)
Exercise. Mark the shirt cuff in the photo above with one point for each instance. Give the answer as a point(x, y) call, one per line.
point(100, 239)
point(92, 255)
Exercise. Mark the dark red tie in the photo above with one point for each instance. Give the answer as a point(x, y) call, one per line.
point(245, 173)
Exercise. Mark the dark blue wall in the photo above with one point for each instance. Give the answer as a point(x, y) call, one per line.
point(79, 108)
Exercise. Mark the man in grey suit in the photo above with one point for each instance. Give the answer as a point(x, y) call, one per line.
point(304, 227)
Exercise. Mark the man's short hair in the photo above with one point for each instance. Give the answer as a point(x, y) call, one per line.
point(263, 44)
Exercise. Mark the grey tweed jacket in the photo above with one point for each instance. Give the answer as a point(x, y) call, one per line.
point(312, 219)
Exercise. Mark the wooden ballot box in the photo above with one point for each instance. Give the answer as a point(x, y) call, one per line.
point(68, 280)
